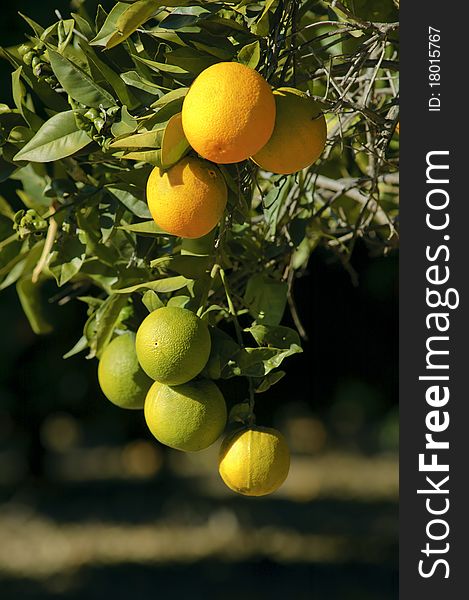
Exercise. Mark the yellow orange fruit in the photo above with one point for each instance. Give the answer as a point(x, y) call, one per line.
point(228, 113)
point(188, 200)
point(299, 134)
point(173, 345)
point(254, 461)
point(188, 417)
point(121, 378)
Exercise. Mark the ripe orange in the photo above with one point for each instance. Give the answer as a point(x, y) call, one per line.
point(187, 417)
point(173, 345)
point(188, 200)
point(228, 113)
point(299, 135)
point(254, 461)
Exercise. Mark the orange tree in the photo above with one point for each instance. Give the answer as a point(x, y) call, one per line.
point(97, 103)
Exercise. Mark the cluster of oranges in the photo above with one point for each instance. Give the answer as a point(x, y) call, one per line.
point(161, 370)
point(230, 114)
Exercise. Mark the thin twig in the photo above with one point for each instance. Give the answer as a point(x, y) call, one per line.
point(46, 250)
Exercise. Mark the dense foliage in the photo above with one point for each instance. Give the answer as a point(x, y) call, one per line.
point(94, 101)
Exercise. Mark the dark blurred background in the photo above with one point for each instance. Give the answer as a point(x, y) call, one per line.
point(91, 506)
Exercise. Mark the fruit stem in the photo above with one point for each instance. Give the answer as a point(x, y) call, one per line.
point(203, 301)
point(50, 238)
point(233, 312)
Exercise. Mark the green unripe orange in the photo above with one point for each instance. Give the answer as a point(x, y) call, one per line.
point(121, 378)
point(173, 345)
point(188, 417)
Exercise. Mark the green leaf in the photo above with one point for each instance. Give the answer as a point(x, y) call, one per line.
point(240, 413)
point(81, 345)
point(66, 260)
point(177, 94)
point(262, 25)
point(129, 21)
point(179, 301)
point(192, 267)
point(266, 298)
point(38, 29)
point(19, 93)
point(174, 144)
point(109, 27)
point(107, 316)
point(203, 246)
point(130, 196)
point(79, 84)
point(49, 97)
point(65, 33)
point(21, 265)
point(145, 228)
point(135, 80)
point(182, 18)
point(5, 209)
point(147, 139)
point(115, 81)
point(190, 60)
point(148, 156)
point(161, 68)
point(257, 362)
point(83, 26)
point(276, 336)
point(123, 20)
point(223, 348)
point(151, 300)
point(20, 135)
point(225, 54)
point(163, 286)
point(250, 55)
point(33, 305)
point(34, 181)
point(127, 124)
point(57, 138)
point(269, 380)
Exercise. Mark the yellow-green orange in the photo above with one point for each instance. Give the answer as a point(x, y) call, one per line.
point(121, 378)
point(187, 417)
point(254, 461)
point(228, 113)
point(188, 200)
point(299, 135)
point(173, 345)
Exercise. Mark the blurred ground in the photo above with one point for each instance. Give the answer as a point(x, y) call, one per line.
point(325, 534)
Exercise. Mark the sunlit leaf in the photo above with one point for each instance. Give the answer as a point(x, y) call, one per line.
point(250, 55)
point(169, 284)
point(144, 228)
point(57, 138)
point(79, 84)
point(130, 197)
point(174, 144)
